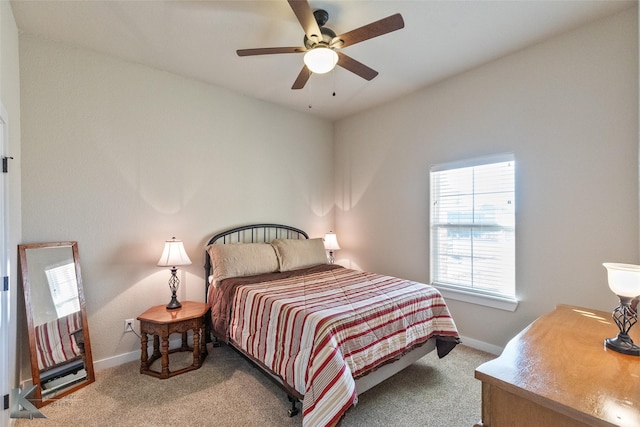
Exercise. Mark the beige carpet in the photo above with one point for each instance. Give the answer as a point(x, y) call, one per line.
point(228, 391)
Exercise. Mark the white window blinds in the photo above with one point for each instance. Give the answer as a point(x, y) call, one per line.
point(473, 225)
point(64, 288)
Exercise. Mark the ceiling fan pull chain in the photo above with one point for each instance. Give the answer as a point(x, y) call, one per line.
point(334, 81)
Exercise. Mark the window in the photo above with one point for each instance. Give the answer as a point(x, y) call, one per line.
point(64, 288)
point(473, 230)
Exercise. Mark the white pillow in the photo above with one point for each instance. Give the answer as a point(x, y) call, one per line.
point(241, 259)
point(294, 254)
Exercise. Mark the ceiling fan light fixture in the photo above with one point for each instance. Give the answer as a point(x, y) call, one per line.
point(320, 59)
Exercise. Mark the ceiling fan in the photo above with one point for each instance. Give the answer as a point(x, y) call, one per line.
point(322, 42)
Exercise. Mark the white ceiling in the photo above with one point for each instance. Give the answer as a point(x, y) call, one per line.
point(198, 39)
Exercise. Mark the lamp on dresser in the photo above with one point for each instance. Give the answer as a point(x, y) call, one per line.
point(173, 256)
point(331, 244)
point(624, 281)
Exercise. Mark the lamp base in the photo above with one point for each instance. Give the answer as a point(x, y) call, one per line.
point(174, 282)
point(622, 344)
point(174, 303)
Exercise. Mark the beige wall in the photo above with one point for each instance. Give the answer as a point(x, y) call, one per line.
point(568, 109)
point(10, 98)
point(121, 157)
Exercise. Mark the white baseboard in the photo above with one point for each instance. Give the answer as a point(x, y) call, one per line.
point(481, 345)
point(120, 359)
point(110, 362)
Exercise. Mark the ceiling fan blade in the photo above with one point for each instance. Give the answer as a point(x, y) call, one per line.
point(356, 67)
point(304, 75)
point(269, 50)
point(305, 16)
point(374, 29)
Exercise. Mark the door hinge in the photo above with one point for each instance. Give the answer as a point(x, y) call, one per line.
point(5, 283)
point(5, 164)
point(5, 405)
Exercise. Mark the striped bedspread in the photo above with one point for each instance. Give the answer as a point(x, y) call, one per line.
point(55, 342)
point(321, 330)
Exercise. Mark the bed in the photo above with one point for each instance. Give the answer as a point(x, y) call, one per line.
point(60, 349)
point(323, 332)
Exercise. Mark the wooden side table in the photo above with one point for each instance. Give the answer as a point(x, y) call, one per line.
point(161, 323)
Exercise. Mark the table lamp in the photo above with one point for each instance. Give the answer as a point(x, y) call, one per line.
point(624, 281)
point(331, 244)
point(173, 255)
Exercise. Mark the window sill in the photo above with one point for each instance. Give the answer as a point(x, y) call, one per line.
point(502, 303)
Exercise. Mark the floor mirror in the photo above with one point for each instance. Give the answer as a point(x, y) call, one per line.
point(59, 341)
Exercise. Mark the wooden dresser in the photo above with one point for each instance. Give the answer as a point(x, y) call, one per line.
point(557, 372)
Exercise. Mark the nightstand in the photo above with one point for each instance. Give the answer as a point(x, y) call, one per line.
point(161, 323)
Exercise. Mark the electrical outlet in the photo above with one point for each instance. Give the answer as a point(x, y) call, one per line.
point(128, 325)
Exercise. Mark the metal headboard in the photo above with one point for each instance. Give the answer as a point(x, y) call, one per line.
point(253, 233)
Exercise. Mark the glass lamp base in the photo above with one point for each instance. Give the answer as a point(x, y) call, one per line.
point(622, 345)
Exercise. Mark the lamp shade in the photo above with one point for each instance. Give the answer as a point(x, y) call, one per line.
point(331, 242)
point(624, 279)
point(173, 254)
point(321, 60)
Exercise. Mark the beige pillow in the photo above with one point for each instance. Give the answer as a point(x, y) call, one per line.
point(293, 254)
point(241, 259)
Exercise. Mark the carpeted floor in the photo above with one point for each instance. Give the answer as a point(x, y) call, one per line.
point(228, 391)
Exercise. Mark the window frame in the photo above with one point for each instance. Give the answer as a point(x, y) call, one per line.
point(461, 292)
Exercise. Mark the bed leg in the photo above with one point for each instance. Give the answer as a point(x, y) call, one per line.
point(293, 411)
point(215, 342)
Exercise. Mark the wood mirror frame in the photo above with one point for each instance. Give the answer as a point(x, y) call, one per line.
point(59, 341)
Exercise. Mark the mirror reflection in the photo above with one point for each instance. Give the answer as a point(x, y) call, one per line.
point(58, 331)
